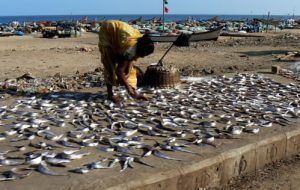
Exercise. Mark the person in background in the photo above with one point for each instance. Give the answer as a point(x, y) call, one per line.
point(121, 45)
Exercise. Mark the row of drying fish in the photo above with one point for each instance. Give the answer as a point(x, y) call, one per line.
point(42, 133)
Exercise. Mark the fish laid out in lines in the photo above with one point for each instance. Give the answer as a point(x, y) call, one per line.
point(13, 175)
point(53, 131)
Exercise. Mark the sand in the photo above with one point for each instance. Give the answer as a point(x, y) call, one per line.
point(46, 57)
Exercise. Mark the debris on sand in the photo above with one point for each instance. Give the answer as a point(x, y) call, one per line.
point(289, 56)
point(29, 84)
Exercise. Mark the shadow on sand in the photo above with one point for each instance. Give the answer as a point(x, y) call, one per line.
point(264, 53)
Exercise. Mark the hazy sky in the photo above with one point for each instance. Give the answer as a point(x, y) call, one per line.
point(85, 7)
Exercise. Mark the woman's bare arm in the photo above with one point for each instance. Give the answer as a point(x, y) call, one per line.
point(121, 73)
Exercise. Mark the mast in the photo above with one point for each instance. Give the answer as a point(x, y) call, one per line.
point(293, 13)
point(268, 21)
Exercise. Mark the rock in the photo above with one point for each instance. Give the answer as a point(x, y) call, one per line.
point(43, 89)
point(275, 69)
point(233, 67)
point(208, 71)
point(290, 53)
point(84, 49)
point(59, 75)
point(290, 36)
point(98, 70)
point(26, 76)
point(286, 57)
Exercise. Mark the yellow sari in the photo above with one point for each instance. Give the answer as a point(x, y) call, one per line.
point(115, 37)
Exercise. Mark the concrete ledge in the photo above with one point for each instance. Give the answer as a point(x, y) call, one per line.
point(293, 142)
point(219, 169)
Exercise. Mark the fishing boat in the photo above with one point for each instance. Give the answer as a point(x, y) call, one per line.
point(195, 37)
point(6, 34)
point(135, 21)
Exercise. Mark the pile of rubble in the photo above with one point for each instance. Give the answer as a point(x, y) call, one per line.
point(292, 72)
point(288, 56)
point(290, 36)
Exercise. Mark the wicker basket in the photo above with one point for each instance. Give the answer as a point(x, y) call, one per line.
point(161, 77)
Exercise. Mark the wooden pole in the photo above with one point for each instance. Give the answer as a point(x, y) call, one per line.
point(163, 15)
point(268, 21)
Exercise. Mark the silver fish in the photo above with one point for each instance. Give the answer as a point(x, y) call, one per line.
point(235, 130)
point(81, 170)
point(42, 168)
point(10, 133)
point(106, 149)
point(5, 162)
point(170, 124)
point(34, 159)
point(154, 133)
point(251, 130)
point(97, 165)
point(123, 150)
point(53, 137)
point(161, 155)
point(208, 124)
point(57, 161)
point(72, 156)
point(113, 162)
point(138, 160)
point(181, 149)
point(128, 133)
point(13, 175)
point(2, 137)
point(65, 143)
point(43, 145)
point(264, 123)
point(127, 162)
point(144, 126)
point(86, 143)
point(75, 134)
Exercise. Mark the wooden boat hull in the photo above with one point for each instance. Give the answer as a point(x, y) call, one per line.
point(195, 37)
point(6, 34)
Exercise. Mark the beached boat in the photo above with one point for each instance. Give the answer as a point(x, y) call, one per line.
point(195, 37)
point(6, 34)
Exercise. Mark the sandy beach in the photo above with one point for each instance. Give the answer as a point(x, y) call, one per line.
point(46, 57)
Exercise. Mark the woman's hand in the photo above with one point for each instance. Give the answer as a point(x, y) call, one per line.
point(142, 97)
point(133, 93)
